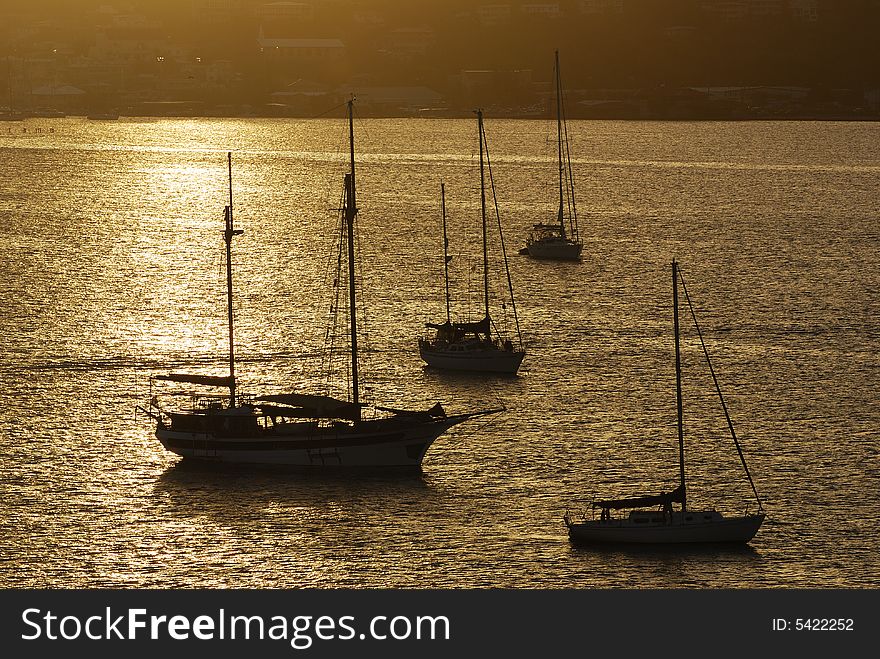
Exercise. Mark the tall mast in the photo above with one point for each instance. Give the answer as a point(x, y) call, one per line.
point(227, 236)
point(445, 249)
point(350, 211)
point(559, 145)
point(483, 211)
point(678, 386)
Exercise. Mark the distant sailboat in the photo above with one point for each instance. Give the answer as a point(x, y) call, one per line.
point(558, 241)
point(298, 429)
point(660, 524)
point(103, 116)
point(477, 345)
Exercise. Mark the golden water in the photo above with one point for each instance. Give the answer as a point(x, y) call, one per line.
point(111, 257)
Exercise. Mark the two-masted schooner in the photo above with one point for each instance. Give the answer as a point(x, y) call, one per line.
point(298, 429)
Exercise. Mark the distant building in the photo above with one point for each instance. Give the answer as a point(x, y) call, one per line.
point(299, 11)
point(806, 11)
point(601, 7)
point(761, 95)
point(300, 50)
point(547, 9)
point(732, 11)
point(60, 97)
point(728, 11)
point(766, 7)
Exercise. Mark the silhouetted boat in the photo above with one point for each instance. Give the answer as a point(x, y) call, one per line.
point(9, 114)
point(556, 241)
point(49, 113)
point(662, 524)
point(298, 429)
point(103, 116)
point(478, 345)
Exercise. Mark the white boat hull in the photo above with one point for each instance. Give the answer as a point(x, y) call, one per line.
point(716, 529)
point(484, 361)
point(371, 444)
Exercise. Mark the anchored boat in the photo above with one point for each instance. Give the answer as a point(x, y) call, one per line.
point(559, 241)
point(298, 429)
point(477, 345)
point(652, 518)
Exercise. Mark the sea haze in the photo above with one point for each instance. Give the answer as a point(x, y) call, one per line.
point(111, 253)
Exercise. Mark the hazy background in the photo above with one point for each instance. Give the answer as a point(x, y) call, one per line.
point(621, 58)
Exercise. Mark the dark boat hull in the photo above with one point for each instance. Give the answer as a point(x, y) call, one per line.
point(397, 443)
point(717, 529)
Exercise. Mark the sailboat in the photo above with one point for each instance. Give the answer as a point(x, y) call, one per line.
point(477, 345)
point(557, 241)
point(297, 429)
point(652, 518)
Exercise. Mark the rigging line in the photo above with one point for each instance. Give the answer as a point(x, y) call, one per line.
point(333, 109)
point(365, 359)
point(342, 352)
point(332, 323)
point(570, 183)
point(742, 457)
point(479, 426)
point(501, 236)
point(493, 389)
point(570, 178)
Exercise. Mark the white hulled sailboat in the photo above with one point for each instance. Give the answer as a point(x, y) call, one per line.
point(557, 241)
point(475, 345)
point(652, 519)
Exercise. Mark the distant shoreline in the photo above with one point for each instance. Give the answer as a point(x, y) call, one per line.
point(18, 120)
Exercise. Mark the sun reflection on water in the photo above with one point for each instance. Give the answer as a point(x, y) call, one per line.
point(113, 270)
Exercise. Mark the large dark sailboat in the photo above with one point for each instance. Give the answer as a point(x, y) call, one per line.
point(475, 345)
point(652, 519)
point(298, 429)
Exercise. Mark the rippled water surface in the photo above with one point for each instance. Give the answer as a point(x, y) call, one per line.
point(111, 258)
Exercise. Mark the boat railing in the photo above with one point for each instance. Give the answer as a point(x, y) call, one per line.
point(584, 515)
point(199, 403)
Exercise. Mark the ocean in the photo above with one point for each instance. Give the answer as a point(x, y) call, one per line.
point(111, 257)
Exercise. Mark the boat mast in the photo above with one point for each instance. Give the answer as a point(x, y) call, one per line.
point(445, 248)
point(350, 211)
point(227, 236)
point(559, 146)
point(483, 211)
point(678, 387)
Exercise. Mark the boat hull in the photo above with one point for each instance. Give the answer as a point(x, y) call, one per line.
point(555, 250)
point(718, 529)
point(483, 361)
point(370, 444)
